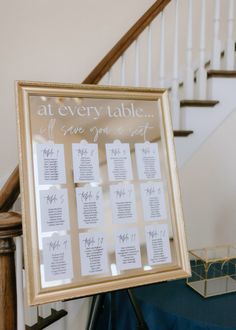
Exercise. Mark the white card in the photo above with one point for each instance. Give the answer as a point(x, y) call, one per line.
point(122, 198)
point(119, 161)
point(153, 200)
point(127, 249)
point(89, 206)
point(148, 161)
point(93, 253)
point(51, 163)
point(158, 244)
point(85, 162)
point(54, 209)
point(57, 258)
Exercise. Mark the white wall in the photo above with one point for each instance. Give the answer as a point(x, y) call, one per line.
point(208, 185)
point(57, 41)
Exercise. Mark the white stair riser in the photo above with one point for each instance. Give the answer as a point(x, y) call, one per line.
point(204, 121)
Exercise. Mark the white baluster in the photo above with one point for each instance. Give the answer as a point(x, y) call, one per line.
point(175, 80)
point(202, 76)
point(189, 76)
point(216, 51)
point(137, 66)
point(230, 41)
point(31, 315)
point(60, 324)
point(44, 310)
point(109, 77)
point(149, 59)
point(19, 284)
point(162, 51)
point(122, 70)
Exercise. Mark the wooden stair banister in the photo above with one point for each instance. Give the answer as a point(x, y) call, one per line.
point(10, 191)
point(123, 44)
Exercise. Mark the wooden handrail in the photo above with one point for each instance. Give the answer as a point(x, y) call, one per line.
point(106, 63)
point(10, 191)
point(11, 188)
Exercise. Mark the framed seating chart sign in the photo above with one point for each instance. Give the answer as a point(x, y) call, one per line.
point(101, 201)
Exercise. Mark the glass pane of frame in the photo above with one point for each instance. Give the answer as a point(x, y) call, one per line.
point(101, 200)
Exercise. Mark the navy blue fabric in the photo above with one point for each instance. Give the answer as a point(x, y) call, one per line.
point(171, 306)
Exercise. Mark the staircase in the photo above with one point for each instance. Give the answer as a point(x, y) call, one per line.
point(163, 49)
point(194, 75)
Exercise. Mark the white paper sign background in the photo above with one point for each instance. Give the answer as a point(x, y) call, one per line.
point(122, 198)
point(85, 162)
point(93, 253)
point(54, 210)
point(51, 163)
point(153, 201)
point(158, 244)
point(148, 161)
point(57, 258)
point(89, 206)
point(119, 161)
point(127, 249)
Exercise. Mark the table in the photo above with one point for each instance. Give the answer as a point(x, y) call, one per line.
point(171, 305)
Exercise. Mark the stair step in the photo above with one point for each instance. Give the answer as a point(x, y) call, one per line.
point(221, 73)
point(198, 103)
point(182, 133)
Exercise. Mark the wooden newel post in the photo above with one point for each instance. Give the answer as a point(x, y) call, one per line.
point(10, 226)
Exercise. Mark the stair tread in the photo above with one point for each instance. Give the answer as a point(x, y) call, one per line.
point(221, 73)
point(198, 103)
point(182, 133)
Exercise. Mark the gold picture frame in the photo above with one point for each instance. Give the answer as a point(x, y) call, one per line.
point(100, 193)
